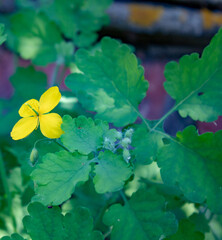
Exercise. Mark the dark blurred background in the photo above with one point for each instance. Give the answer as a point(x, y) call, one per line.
point(160, 31)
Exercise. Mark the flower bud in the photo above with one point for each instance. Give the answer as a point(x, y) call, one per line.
point(129, 133)
point(119, 135)
point(125, 142)
point(126, 155)
point(34, 155)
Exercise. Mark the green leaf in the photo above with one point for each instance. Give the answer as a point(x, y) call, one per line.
point(86, 18)
point(196, 83)
point(3, 37)
point(85, 135)
point(146, 145)
point(49, 224)
point(186, 231)
point(28, 83)
point(86, 196)
point(111, 172)
point(57, 176)
point(200, 221)
point(13, 237)
point(112, 83)
point(36, 39)
point(142, 218)
point(83, 227)
point(194, 163)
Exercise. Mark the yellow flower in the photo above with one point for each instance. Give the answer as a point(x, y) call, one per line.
point(35, 113)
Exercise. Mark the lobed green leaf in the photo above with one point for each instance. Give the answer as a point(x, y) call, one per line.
point(111, 83)
point(142, 218)
point(57, 176)
point(86, 18)
point(37, 38)
point(49, 224)
point(193, 162)
point(84, 134)
point(196, 83)
point(111, 172)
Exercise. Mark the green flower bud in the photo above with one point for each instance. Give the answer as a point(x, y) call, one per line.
point(34, 155)
point(126, 155)
point(129, 133)
point(119, 135)
point(125, 142)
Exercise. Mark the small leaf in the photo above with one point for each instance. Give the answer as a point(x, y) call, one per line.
point(186, 231)
point(57, 176)
point(111, 172)
point(28, 83)
point(193, 163)
point(49, 223)
point(146, 145)
point(84, 134)
point(14, 236)
point(200, 221)
point(142, 218)
point(112, 83)
point(196, 83)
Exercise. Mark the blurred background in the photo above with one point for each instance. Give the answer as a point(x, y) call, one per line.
point(159, 31)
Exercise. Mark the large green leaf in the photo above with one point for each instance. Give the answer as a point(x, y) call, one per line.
point(186, 231)
point(37, 38)
point(196, 83)
point(85, 135)
point(194, 163)
point(79, 19)
point(28, 83)
point(142, 218)
point(111, 172)
point(49, 224)
point(57, 176)
point(111, 83)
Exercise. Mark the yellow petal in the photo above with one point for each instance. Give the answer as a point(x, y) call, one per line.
point(49, 100)
point(50, 125)
point(24, 127)
point(28, 108)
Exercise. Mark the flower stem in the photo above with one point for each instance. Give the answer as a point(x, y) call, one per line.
point(124, 197)
point(62, 146)
point(54, 75)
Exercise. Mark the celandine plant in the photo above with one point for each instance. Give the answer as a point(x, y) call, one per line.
point(86, 179)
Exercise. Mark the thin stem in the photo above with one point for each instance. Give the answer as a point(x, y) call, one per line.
point(144, 120)
point(6, 190)
point(165, 116)
point(108, 232)
point(40, 140)
point(54, 75)
point(123, 197)
point(210, 217)
point(62, 146)
point(61, 75)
